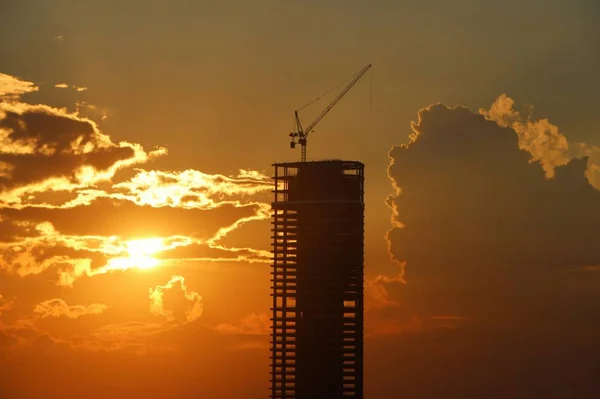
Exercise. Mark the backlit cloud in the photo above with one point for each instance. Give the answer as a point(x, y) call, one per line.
point(49, 149)
point(543, 140)
point(491, 215)
point(57, 169)
point(69, 217)
point(253, 324)
point(202, 251)
point(379, 290)
point(135, 336)
point(175, 302)
point(190, 188)
point(24, 333)
point(32, 247)
point(66, 86)
point(11, 87)
point(59, 308)
point(5, 304)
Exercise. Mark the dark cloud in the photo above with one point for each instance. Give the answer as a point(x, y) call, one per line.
point(48, 149)
point(207, 252)
point(49, 132)
point(109, 217)
point(252, 324)
point(28, 168)
point(488, 239)
point(124, 353)
point(97, 239)
point(10, 230)
point(466, 190)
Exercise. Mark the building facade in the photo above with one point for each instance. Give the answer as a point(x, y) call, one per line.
point(317, 280)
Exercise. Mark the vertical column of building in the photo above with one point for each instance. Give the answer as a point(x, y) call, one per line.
point(352, 237)
point(353, 302)
point(283, 290)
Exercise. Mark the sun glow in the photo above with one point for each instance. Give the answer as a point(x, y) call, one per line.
point(139, 255)
point(141, 251)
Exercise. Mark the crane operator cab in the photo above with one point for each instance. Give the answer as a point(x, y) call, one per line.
point(292, 142)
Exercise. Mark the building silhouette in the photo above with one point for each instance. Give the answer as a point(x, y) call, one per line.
point(317, 280)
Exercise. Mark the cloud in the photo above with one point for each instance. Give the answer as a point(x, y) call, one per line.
point(205, 251)
point(57, 170)
point(249, 333)
point(190, 188)
point(67, 215)
point(253, 324)
point(11, 87)
point(139, 337)
point(136, 336)
point(91, 111)
point(378, 326)
point(472, 215)
point(32, 244)
point(379, 291)
point(22, 332)
point(543, 140)
point(487, 217)
point(59, 308)
point(585, 268)
point(181, 305)
point(45, 236)
point(5, 304)
point(66, 86)
point(49, 149)
point(150, 188)
point(121, 217)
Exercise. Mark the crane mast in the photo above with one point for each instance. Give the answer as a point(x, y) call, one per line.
point(300, 135)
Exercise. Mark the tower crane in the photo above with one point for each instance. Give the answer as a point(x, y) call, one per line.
point(300, 135)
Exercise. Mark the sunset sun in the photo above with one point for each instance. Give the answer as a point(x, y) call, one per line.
point(140, 253)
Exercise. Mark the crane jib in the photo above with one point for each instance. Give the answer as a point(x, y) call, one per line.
point(302, 134)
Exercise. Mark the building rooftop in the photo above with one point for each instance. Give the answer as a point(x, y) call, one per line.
point(323, 161)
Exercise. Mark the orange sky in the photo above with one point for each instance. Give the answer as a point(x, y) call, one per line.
point(135, 192)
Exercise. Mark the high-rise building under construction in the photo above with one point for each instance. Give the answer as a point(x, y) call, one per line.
point(317, 280)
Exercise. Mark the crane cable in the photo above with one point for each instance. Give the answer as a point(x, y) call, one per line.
point(370, 93)
point(370, 101)
point(327, 92)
